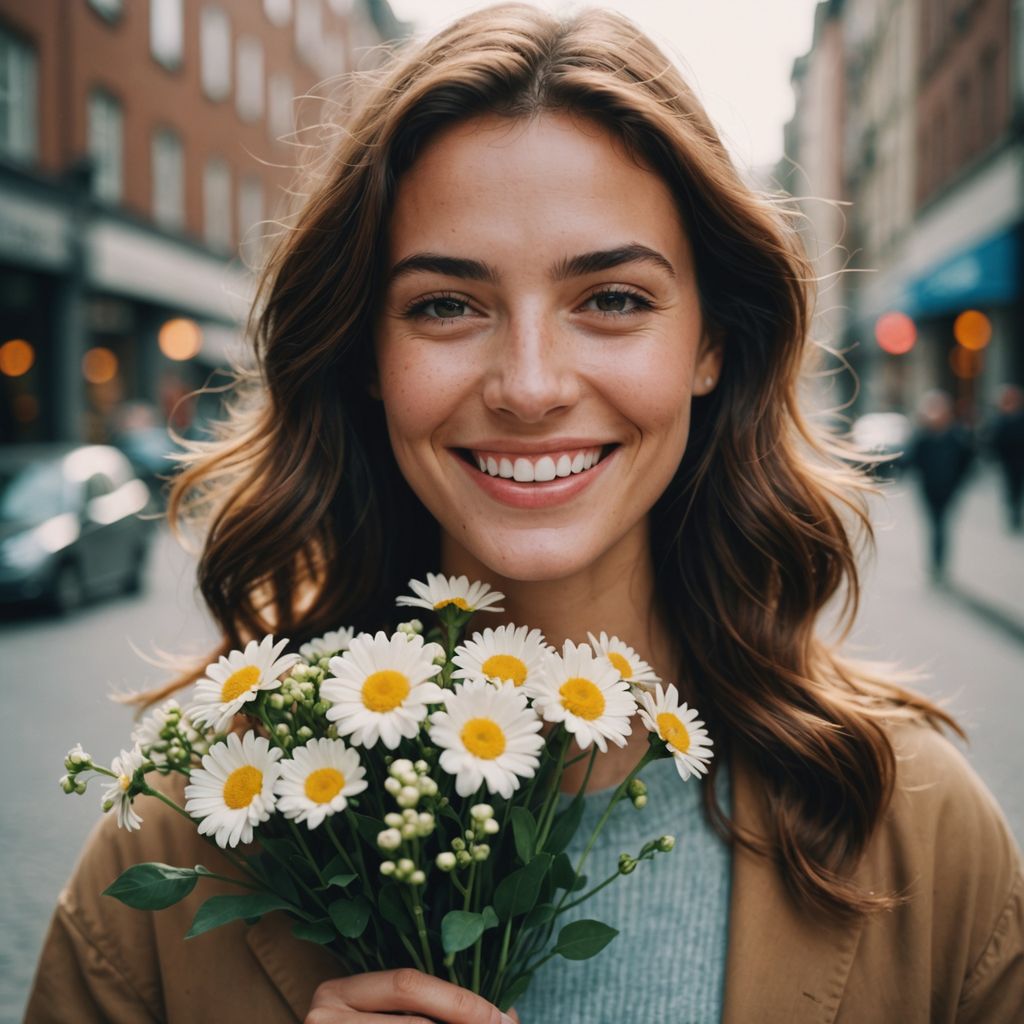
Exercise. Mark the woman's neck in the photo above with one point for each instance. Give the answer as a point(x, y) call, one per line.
point(616, 595)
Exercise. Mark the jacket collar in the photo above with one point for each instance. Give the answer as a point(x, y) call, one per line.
point(782, 965)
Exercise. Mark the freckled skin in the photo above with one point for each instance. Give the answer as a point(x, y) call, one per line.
point(532, 357)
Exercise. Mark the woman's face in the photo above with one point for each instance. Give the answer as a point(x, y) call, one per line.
point(541, 312)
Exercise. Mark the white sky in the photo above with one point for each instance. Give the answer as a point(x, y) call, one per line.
point(738, 54)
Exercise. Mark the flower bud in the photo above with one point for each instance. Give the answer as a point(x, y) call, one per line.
point(491, 826)
point(415, 625)
point(636, 787)
point(666, 843)
point(427, 786)
point(418, 877)
point(458, 844)
point(400, 767)
point(305, 733)
point(387, 867)
point(481, 812)
point(67, 784)
point(481, 851)
point(282, 729)
point(393, 786)
point(393, 820)
point(389, 839)
point(320, 708)
point(406, 866)
point(409, 830)
point(421, 767)
point(409, 778)
point(463, 859)
point(424, 823)
point(626, 864)
point(276, 701)
point(445, 861)
point(80, 786)
point(407, 796)
point(640, 802)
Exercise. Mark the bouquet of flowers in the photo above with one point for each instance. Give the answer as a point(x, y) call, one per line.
point(399, 796)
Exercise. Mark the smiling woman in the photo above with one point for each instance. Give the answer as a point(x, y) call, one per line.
point(532, 328)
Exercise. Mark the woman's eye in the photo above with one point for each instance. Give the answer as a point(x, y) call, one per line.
point(439, 309)
point(620, 303)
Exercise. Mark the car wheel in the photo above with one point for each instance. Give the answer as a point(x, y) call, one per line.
point(68, 592)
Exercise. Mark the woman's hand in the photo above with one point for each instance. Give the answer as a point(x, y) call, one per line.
point(379, 995)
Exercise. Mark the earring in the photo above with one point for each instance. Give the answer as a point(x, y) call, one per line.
point(708, 381)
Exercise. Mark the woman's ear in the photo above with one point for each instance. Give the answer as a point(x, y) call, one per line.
point(708, 370)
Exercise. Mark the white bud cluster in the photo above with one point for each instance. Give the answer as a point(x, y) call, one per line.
point(403, 870)
point(411, 824)
point(411, 628)
point(408, 782)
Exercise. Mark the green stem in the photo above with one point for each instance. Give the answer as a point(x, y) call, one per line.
point(586, 895)
point(305, 849)
point(421, 929)
point(411, 949)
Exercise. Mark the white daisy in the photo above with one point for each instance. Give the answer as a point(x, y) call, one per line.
point(317, 780)
point(633, 669)
point(380, 688)
point(118, 793)
point(234, 790)
point(237, 678)
point(152, 735)
point(489, 734)
point(513, 654)
point(440, 591)
point(331, 643)
point(679, 727)
point(586, 695)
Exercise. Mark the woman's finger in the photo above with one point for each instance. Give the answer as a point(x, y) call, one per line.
point(411, 991)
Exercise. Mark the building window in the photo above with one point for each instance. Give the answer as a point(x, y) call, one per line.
point(18, 103)
point(309, 28)
point(110, 9)
point(167, 32)
point(106, 133)
point(249, 81)
point(215, 53)
point(250, 219)
point(278, 12)
point(217, 204)
point(168, 180)
point(279, 112)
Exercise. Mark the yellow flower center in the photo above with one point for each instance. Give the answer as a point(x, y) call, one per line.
point(623, 666)
point(238, 682)
point(241, 786)
point(459, 602)
point(385, 690)
point(125, 782)
point(323, 785)
point(673, 732)
point(506, 667)
point(483, 738)
point(582, 698)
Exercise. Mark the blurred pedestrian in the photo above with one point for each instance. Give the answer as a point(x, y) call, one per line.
point(1005, 437)
point(940, 453)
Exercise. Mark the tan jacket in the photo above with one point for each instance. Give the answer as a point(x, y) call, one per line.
point(954, 953)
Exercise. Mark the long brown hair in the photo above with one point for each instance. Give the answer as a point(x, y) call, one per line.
point(308, 523)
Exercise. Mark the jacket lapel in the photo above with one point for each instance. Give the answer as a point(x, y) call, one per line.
point(782, 966)
point(295, 967)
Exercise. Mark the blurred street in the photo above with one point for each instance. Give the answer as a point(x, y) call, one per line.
point(968, 636)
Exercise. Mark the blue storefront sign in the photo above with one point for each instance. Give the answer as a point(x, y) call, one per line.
point(987, 274)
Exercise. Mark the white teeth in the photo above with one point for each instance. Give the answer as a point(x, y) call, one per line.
point(545, 469)
point(523, 471)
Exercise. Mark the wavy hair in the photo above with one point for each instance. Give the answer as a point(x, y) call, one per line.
point(307, 521)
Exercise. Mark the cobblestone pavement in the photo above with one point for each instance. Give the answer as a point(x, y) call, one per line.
point(56, 677)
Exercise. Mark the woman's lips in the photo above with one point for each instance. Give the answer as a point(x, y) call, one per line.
point(538, 494)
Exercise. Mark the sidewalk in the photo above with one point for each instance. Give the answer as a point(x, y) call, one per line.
point(986, 561)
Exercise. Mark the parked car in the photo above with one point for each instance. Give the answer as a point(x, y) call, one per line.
point(69, 524)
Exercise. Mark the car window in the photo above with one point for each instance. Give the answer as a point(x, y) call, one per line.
point(32, 493)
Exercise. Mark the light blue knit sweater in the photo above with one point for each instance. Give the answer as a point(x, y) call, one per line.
point(667, 964)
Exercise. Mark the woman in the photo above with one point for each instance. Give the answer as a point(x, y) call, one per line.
point(530, 244)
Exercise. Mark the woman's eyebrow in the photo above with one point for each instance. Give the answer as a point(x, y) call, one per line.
point(572, 266)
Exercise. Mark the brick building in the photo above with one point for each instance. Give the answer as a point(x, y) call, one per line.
point(144, 146)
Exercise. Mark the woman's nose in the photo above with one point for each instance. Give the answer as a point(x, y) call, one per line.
point(532, 372)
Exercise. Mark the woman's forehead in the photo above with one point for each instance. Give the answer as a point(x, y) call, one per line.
point(552, 184)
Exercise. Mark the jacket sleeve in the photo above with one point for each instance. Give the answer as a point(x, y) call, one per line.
point(994, 988)
point(75, 981)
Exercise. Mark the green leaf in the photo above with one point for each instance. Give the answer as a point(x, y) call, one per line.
point(220, 910)
point(460, 929)
point(517, 893)
point(583, 939)
point(337, 865)
point(340, 881)
point(562, 873)
point(515, 988)
point(320, 932)
point(490, 917)
point(565, 826)
point(369, 828)
point(524, 831)
point(580, 883)
point(350, 917)
point(152, 886)
point(393, 909)
point(541, 914)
